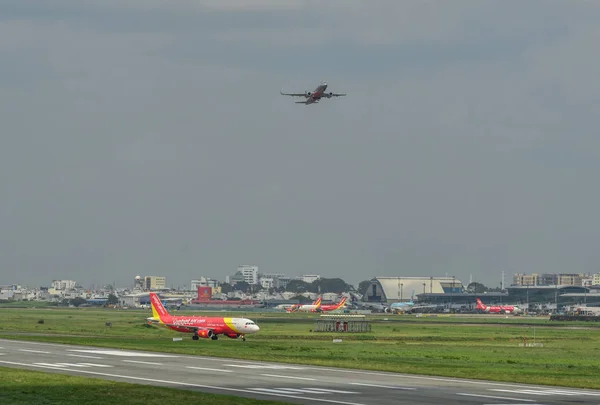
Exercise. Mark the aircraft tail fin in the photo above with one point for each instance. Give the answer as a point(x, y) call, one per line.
point(480, 304)
point(159, 312)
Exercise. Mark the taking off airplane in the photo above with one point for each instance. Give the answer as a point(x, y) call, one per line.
point(498, 309)
point(200, 326)
point(315, 96)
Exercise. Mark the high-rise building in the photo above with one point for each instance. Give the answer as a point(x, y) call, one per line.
point(155, 283)
point(63, 284)
point(250, 273)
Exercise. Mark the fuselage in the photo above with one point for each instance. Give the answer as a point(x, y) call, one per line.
point(223, 326)
point(316, 94)
point(498, 309)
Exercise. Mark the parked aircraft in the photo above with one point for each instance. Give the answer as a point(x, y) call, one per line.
point(200, 326)
point(403, 306)
point(315, 96)
point(333, 307)
point(314, 307)
point(498, 309)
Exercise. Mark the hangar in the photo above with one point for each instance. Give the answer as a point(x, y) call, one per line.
point(393, 289)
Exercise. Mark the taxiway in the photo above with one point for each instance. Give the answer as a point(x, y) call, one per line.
point(299, 384)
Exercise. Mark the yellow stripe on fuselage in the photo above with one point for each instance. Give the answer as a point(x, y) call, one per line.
point(230, 324)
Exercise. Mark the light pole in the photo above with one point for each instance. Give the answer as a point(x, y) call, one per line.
point(401, 288)
point(423, 288)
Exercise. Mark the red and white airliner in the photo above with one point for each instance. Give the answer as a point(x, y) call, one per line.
point(498, 309)
point(314, 96)
point(201, 326)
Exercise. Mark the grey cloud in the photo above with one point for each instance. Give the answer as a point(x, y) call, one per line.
point(152, 140)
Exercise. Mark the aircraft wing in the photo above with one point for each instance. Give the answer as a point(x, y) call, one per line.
point(188, 327)
point(292, 94)
point(335, 94)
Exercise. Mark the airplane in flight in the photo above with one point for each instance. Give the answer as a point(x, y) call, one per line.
point(498, 309)
point(200, 326)
point(314, 96)
point(314, 307)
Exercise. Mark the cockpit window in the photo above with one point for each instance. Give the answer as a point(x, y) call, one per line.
point(249, 323)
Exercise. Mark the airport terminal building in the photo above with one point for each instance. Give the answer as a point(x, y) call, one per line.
point(393, 289)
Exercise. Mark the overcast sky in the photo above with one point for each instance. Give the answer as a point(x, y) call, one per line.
point(149, 137)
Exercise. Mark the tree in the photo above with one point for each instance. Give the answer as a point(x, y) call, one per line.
point(363, 286)
point(476, 288)
point(298, 286)
point(77, 301)
point(329, 285)
point(242, 286)
point(226, 288)
point(112, 299)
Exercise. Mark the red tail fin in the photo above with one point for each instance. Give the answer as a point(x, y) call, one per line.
point(158, 310)
point(480, 304)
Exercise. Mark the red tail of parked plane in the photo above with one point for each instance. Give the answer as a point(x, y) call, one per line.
point(200, 326)
point(498, 309)
point(333, 307)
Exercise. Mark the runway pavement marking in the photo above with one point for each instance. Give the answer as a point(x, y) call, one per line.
point(25, 365)
point(45, 365)
point(121, 353)
point(384, 386)
point(546, 392)
point(143, 362)
point(209, 369)
point(85, 356)
point(276, 367)
point(304, 390)
point(33, 351)
point(494, 397)
point(60, 365)
point(96, 365)
point(328, 391)
point(289, 376)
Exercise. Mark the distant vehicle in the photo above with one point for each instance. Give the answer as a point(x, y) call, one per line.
point(315, 96)
point(200, 326)
point(498, 309)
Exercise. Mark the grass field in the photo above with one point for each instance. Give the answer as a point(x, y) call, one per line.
point(446, 346)
point(23, 387)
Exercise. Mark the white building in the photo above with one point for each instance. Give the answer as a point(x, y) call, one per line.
point(63, 284)
point(250, 273)
point(596, 279)
point(309, 278)
point(203, 282)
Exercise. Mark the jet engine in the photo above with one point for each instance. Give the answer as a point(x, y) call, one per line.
point(206, 334)
point(233, 335)
point(329, 95)
point(308, 94)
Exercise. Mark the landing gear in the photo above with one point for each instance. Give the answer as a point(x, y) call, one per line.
point(243, 338)
point(214, 337)
point(195, 337)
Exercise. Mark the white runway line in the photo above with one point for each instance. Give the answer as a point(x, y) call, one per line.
point(33, 351)
point(143, 362)
point(171, 382)
point(95, 365)
point(288, 376)
point(209, 369)
point(326, 391)
point(548, 391)
point(384, 386)
point(494, 397)
point(85, 356)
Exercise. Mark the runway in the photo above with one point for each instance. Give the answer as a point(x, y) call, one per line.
point(298, 384)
